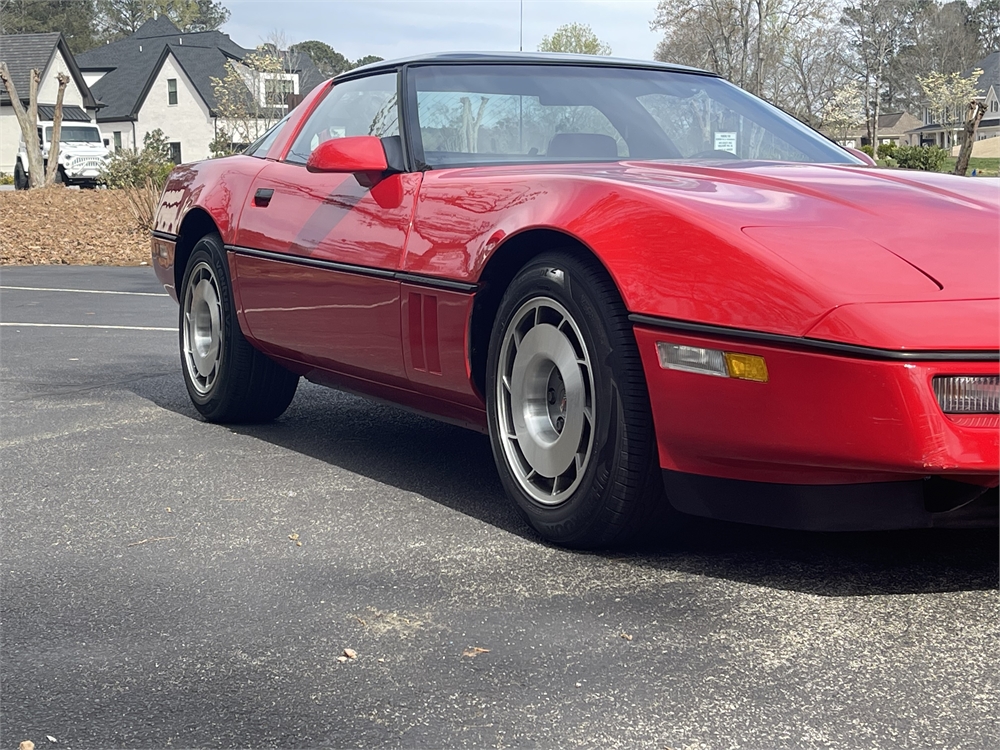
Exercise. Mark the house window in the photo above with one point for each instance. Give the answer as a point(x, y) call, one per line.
point(175, 152)
point(171, 91)
point(276, 90)
point(118, 140)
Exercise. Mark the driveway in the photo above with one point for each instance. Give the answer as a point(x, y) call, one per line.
point(172, 583)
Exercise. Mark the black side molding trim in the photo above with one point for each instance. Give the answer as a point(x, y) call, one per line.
point(164, 235)
point(822, 345)
point(432, 282)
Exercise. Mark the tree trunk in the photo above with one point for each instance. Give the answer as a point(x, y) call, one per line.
point(28, 122)
point(37, 177)
point(53, 168)
point(973, 116)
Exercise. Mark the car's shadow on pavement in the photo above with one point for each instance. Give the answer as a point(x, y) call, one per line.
point(454, 467)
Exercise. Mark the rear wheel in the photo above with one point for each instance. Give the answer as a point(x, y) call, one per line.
point(227, 379)
point(568, 409)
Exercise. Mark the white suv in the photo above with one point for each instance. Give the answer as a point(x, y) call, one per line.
point(82, 153)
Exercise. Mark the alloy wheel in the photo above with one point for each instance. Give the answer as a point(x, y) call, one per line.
point(545, 401)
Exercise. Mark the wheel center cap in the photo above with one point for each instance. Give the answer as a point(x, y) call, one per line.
point(547, 399)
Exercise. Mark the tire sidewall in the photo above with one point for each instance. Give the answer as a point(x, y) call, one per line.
point(209, 250)
point(20, 177)
point(574, 517)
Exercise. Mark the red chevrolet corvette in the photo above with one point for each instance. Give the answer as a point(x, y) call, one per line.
point(632, 276)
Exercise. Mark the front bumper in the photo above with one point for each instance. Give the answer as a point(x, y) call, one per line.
point(821, 419)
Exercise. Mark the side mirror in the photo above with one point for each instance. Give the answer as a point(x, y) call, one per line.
point(359, 153)
point(107, 142)
point(863, 156)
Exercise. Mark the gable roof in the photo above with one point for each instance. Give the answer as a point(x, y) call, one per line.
point(23, 52)
point(133, 62)
point(990, 65)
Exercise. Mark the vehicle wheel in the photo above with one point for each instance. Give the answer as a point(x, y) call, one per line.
point(60, 178)
point(228, 380)
point(20, 177)
point(568, 408)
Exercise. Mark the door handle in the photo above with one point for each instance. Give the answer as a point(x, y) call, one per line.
point(262, 198)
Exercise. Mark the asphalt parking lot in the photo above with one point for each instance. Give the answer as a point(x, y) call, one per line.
point(171, 583)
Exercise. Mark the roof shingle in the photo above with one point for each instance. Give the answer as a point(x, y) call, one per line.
point(22, 52)
point(132, 63)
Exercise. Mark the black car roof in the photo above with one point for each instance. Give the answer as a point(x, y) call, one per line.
point(517, 58)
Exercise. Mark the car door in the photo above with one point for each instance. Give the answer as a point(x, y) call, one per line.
point(316, 253)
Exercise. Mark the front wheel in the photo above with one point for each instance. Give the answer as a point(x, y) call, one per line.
point(20, 177)
point(568, 409)
point(227, 379)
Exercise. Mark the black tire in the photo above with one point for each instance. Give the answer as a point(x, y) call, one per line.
point(20, 176)
point(562, 338)
point(227, 379)
point(60, 177)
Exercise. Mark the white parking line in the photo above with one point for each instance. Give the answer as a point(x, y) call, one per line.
point(80, 325)
point(82, 291)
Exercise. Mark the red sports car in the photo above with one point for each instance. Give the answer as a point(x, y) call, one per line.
point(632, 276)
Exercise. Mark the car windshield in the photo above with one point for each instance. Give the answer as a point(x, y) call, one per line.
point(75, 134)
point(501, 114)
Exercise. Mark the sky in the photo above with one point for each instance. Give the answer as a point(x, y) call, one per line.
point(400, 28)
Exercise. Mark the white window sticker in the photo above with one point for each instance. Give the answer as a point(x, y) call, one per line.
point(725, 142)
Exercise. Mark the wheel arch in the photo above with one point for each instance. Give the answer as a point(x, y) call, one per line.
point(510, 257)
point(196, 224)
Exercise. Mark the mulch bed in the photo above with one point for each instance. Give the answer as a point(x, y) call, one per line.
point(58, 226)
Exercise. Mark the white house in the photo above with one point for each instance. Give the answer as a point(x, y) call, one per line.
point(49, 54)
point(162, 78)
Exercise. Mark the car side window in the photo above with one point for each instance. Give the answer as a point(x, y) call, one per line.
point(262, 145)
point(364, 106)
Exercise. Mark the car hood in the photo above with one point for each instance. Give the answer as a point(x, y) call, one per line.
point(831, 220)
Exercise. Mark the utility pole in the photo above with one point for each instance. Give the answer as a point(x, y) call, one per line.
point(520, 30)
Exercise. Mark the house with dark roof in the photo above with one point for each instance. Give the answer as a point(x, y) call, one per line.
point(49, 54)
point(161, 78)
point(934, 133)
point(893, 127)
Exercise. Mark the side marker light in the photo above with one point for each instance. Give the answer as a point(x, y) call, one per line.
point(712, 362)
point(746, 367)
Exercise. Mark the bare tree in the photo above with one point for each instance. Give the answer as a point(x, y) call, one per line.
point(53, 168)
point(875, 29)
point(813, 71)
point(973, 116)
point(28, 121)
point(745, 41)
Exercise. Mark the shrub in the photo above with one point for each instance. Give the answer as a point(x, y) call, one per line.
point(927, 158)
point(222, 145)
point(887, 150)
point(129, 168)
point(138, 177)
point(867, 149)
point(6, 179)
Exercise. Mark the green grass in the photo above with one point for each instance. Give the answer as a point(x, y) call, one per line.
point(983, 167)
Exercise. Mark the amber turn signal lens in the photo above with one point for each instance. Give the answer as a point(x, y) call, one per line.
point(746, 367)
